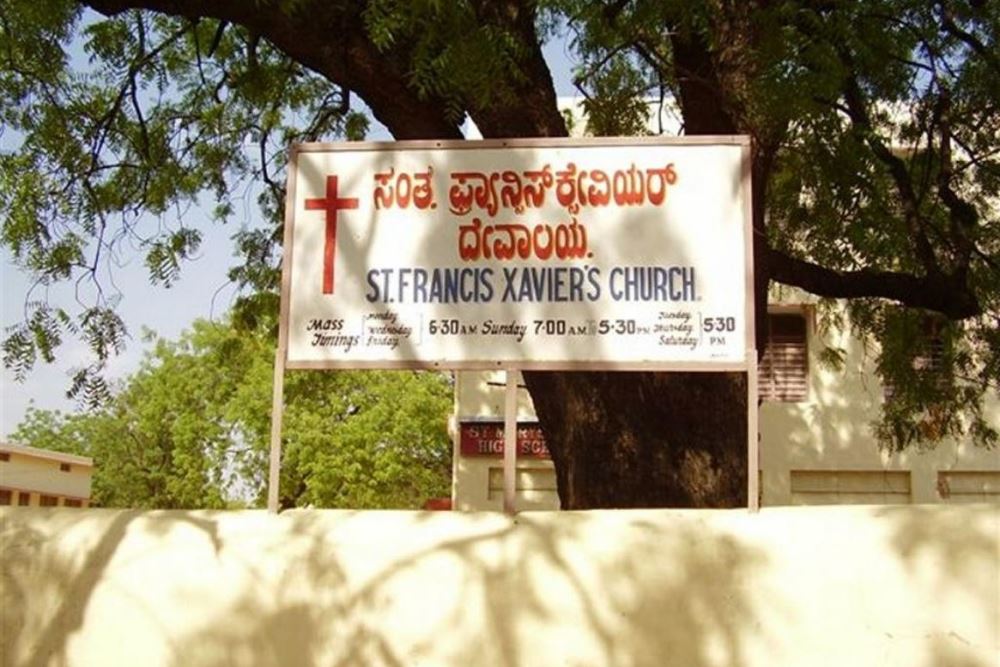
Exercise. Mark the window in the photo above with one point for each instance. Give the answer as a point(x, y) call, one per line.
point(928, 356)
point(23, 498)
point(969, 486)
point(5, 496)
point(850, 487)
point(64, 467)
point(4, 456)
point(784, 371)
point(72, 502)
point(48, 501)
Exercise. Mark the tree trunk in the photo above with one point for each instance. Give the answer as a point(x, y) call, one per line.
point(659, 439)
point(645, 439)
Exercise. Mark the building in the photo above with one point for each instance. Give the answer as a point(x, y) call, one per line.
point(816, 443)
point(34, 477)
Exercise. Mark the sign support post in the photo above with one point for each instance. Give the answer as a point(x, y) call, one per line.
point(277, 413)
point(510, 441)
point(753, 435)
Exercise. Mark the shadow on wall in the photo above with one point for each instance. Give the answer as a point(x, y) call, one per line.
point(69, 581)
point(388, 588)
point(952, 552)
point(52, 565)
point(506, 594)
point(842, 405)
point(902, 585)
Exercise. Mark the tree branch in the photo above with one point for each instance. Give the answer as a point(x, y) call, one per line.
point(963, 216)
point(331, 41)
point(533, 111)
point(948, 22)
point(703, 107)
point(858, 113)
point(944, 294)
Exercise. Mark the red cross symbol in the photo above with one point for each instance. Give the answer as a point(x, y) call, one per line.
point(331, 204)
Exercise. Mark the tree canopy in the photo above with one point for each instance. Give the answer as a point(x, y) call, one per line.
point(876, 165)
point(191, 428)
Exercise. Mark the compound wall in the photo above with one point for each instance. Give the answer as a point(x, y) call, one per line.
point(913, 586)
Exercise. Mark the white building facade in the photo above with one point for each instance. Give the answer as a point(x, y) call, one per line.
point(816, 440)
point(32, 477)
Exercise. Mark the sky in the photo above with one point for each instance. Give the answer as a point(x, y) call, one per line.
point(201, 292)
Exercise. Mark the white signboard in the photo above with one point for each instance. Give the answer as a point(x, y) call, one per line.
point(628, 254)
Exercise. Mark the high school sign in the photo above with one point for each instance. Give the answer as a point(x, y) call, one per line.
point(538, 254)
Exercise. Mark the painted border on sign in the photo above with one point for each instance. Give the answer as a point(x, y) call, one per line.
point(290, 259)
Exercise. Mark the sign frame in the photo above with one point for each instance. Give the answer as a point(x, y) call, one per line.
point(748, 364)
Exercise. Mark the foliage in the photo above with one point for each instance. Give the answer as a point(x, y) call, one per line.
point(191, 428)
point(878, 152)
point(618, 105)
point(112, 156)
point(453, 55)
point(876, 149)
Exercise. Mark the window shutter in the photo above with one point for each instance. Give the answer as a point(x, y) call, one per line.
point(784, 371)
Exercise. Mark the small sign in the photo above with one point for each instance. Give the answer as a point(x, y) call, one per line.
point(486, 439)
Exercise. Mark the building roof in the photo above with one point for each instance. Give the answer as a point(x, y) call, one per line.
point(61, 457)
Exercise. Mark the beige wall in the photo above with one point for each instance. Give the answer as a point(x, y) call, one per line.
point(481, 485)
point(913, 586)
point(820, 451)
point(38, 472)
point(830, 435)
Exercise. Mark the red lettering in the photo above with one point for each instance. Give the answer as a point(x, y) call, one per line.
point(657, 181)
point(399, 191)
point(508, 241)
point(574, 188)
point(423, 194)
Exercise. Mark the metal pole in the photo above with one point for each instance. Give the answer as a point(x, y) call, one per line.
point(277, 412)
point(509, 441)
point(753, 436)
